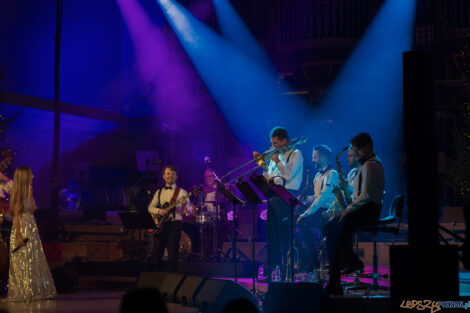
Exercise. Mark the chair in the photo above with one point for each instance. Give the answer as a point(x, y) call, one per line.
point(383, 225)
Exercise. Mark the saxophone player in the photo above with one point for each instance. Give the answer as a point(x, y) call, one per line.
point(345, 189)
point(363, 210)
point(354, 165)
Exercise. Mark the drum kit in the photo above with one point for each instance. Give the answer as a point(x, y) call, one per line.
point(203, 233)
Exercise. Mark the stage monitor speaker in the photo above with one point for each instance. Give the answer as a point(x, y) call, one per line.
point(190, 288)
point(215, 294)
point(151, 279)
point(167, 283)
point(284, 297)
point(170, 286)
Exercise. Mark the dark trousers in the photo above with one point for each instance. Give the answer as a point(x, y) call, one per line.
point(306, 239)
point(279, 233)
point(169, 238)
point(339, 237)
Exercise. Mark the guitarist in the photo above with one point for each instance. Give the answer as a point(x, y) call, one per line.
point(170, 235)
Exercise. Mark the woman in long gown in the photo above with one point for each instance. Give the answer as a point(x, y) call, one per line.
point(29, 277)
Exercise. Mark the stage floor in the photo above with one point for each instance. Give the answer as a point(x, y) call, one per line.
point(106, 301)
point(79, 302)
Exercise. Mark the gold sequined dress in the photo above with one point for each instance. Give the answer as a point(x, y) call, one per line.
point(29, 277)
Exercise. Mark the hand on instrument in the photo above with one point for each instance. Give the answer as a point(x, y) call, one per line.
point(182, 202)
point(275, 158)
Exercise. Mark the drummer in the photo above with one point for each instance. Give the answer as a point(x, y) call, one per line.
point(211, 196)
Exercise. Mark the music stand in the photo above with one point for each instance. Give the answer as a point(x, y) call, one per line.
point(262, 184)
point(250, 195)
point(137, 220)
point(292, 201)
point(235, 201)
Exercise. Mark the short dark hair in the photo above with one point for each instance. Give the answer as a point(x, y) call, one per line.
point(279, 132)
point(362, 140)
point(323, 150)
point(171, 167)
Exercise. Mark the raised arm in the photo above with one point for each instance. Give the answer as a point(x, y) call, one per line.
point(292, 167)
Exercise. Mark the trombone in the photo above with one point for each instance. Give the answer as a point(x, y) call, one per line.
point(264, 157)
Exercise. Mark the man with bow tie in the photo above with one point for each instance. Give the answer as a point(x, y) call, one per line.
point(323, 184)
point(170, 235)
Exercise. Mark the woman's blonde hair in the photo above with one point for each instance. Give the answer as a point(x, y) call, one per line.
point(22, 180)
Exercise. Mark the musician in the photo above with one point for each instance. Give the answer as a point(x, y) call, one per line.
point(284, 168)
point(323, 184)
point(354, 164)
point(215, 211)
point(362, 211)
point(170, 235)
point(352, 178)
point(211, 196)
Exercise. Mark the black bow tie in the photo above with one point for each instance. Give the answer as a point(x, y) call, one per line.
point(167, 188)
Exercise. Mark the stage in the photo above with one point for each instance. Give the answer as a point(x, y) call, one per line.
point(107, 301)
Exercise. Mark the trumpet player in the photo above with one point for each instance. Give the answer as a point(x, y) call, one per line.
point(284, 168)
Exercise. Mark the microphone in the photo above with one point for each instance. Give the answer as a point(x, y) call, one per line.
point(18, 248)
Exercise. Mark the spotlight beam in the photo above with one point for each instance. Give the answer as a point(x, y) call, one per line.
point(245, 90)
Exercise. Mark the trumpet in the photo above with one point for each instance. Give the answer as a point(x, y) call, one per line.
point(261, 159)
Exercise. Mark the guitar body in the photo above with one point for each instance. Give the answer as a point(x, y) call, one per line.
point(161, 219)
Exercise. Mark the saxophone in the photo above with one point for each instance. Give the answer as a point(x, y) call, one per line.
point(341, 191)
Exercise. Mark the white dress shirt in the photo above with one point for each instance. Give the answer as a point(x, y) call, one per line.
point(288, 174)
point(323, 185)
point(370, 182)
point(209, 199)
point(353, 181)
point(166, 195)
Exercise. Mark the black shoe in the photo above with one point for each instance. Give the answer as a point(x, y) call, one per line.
point(334, 290)
point(353, 267)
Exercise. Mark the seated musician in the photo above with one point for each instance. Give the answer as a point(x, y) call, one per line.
point(362, 211)
point(211, 196)
point(324, 182)
point(170, 234)
point(215, 214)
